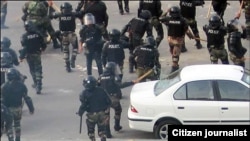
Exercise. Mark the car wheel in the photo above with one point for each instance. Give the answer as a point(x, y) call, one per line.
point(161, 130)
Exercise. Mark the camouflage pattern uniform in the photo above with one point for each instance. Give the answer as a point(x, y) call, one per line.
point(36, 11)
point(13, 93)
point(96, 102)
point(33, 45)
point(247, 16)
point(6, 122)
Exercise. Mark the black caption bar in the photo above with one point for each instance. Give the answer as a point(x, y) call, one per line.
point(208, 132)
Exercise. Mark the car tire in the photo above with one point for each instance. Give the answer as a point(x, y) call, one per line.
point(161, 130)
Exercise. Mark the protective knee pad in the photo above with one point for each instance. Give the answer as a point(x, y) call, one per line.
point(225, 61)
point(175, 59)
point(66, 55)
point(194, 27)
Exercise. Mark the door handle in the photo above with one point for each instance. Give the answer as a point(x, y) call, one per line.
point(224, 108)
point(180, 107)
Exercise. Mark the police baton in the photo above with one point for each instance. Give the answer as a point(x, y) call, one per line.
point(80, 130)
point(144, 75)
point(209, 9)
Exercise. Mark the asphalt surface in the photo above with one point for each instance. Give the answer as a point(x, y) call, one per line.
point(54, 118)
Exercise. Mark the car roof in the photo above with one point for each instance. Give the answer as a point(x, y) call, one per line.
point(211, 71)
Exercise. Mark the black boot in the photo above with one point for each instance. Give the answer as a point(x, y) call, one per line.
point(131, 68)
point(174, 68)
point(68, 69)
point(108, 132)
point(117, 126)
point(198, 45)
point(183, 48)
point(39, 87)
point(72, 62)
point(17, 139)
point(56, 45)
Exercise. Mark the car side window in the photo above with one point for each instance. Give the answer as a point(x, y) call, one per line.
point(196, 90)
point(231, 90)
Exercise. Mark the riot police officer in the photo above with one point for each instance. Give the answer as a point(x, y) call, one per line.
point(37, 12)
point(4, 8)
point(6, 122)
point(219, 7)
point(154, 6)
point(67, 27)
point(215, 33)
point(246, 7)
point(136, 29)
point(177, 28)
point(111, 82)
point(5, 47)
point(120, 6)
point(147, 57)
point(96, 102)
point(99, 10)
point(13, 93)
point(188, 11)
point(113, 50)
point(92, 43)
point(235, 47)
point(33, 45)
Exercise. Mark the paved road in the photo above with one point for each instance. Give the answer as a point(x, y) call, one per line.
point(54, 118)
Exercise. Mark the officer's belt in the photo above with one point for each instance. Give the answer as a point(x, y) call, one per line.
point(144, 67)
point(94, 113)
point(35, 16)
point(66, 32)
point(221, 47)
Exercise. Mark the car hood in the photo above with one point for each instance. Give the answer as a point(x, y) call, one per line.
point(143, 90)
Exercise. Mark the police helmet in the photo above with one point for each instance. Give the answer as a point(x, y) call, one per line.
point(89, 19)
point(175, 12)
point(66, 7)
point(28, 25)
point(232, 25)
point(110, 68)
point(114, 35)
point(145, 14)
point(90, 82)
point(13, 74)
point(5, 42)
point(215, 21)
point(150, 41)
point(6, 59)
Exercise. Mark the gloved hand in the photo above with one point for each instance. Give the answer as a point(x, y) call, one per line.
point(80, 112)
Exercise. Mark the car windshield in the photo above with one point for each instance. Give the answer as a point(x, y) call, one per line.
point(246, 76)
point(167, 82)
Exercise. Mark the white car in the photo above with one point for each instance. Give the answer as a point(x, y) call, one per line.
point(213, 94)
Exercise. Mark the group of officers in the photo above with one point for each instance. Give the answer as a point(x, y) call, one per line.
point(107, 48)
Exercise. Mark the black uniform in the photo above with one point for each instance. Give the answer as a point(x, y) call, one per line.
point(177, 27)
point(120, 6)
point(114, 52)
point(67, 35)
point(99, 9)
point(154, 6)
point(146, 57)
point(136, 29)
point(4, 7)
point(92, 37)
point(6, 122)
point(237, 51)
point(96, 102)
point(216, 41)
point(219, 7)
point(188, 11)
point(33, 45)
point(13, 93)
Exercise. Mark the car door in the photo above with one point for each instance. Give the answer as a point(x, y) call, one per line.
point(234, 102)
point(194, 103)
